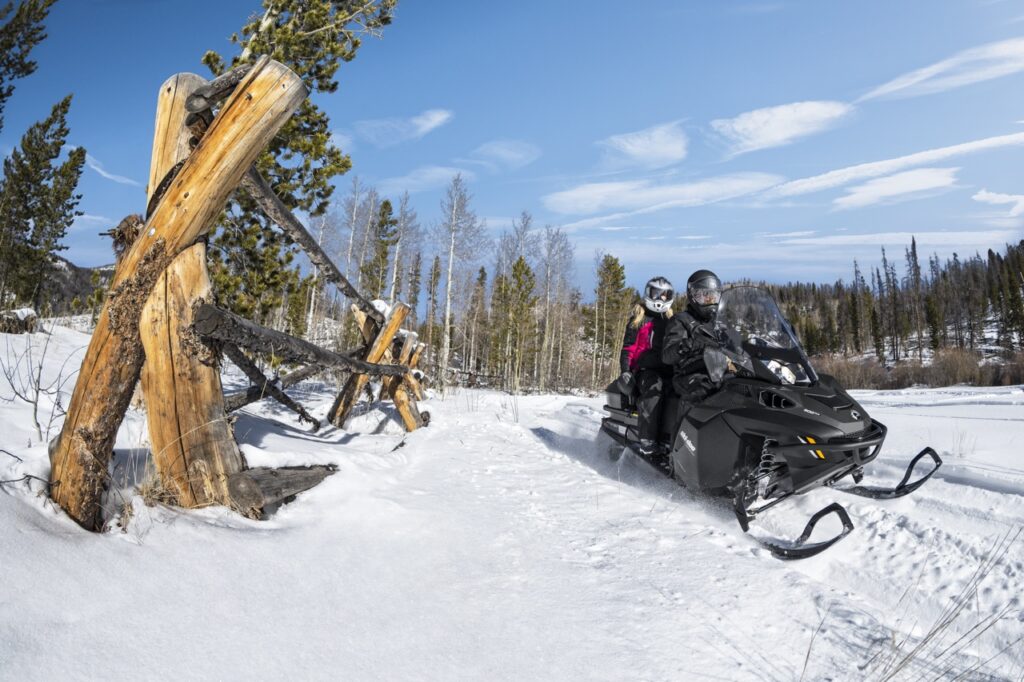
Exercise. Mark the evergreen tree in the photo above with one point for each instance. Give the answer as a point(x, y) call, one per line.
point(610, 310)
point(413, 285)
point(521, 304)
point(37, 204)
point(19, 33)
point(384, 235)
point(311, 37)
point(432, 286)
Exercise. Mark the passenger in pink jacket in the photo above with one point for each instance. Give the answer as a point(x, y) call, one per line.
point(640, 360)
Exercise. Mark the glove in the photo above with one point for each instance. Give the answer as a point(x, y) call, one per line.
point(701, 339)
point(626, 383)
point(695, 387)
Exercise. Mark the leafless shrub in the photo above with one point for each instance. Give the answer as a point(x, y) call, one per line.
point(955, 366)
point(852, 373)
point(23, 370)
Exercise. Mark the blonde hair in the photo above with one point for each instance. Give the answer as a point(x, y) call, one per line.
point(638, 313)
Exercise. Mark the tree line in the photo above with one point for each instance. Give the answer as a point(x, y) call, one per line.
point(970, 304)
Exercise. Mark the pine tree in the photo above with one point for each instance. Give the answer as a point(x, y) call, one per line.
point(21, 32)
point(521, 304)
point(610, 309)
point(413, 285)
point(37, 204)
point(311, 37)
point(384, 235)
point(432, 286)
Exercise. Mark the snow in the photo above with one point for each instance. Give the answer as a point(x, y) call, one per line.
point(23, 313)
point(505, 541)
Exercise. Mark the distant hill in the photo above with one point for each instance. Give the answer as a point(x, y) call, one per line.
point(69, 281)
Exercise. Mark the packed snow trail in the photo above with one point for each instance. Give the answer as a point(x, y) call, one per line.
point(505, 541)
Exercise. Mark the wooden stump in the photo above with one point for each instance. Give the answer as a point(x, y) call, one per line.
point(246, 123)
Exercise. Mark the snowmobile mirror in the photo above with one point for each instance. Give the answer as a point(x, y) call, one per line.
point(717, 363)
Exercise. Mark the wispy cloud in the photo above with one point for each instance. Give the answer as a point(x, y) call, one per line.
point(342, 141)
point(798, 233)
point(422, 179)
point(1016, 201)
point(644, 196)
point(779, 125)
point(498, 155)
point(901, 186)
point(930, 239)
point(88, 219)
point(977, 64)
point(93, 163)
point(654, 147)
point(874, 169)
point(386, 132)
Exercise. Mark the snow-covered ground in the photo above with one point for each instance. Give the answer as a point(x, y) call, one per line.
point(503, 542)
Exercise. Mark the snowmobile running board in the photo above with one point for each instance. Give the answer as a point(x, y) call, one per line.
point(902, 488)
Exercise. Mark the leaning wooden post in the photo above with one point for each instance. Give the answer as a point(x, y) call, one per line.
point(193, 447)
point(349, 395)
point(246, 123)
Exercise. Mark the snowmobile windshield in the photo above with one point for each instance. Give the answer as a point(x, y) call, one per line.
point(765, 334)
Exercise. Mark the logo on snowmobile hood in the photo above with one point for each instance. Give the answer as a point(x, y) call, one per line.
point(686, 439)
point(855, 414)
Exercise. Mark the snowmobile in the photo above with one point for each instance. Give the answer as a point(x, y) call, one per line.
point(772, 427)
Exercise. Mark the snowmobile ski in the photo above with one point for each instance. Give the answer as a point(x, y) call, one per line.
point(903, 487)
point(796, 549)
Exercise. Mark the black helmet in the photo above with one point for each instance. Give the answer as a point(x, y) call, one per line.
point(704, 290)
point(658, 295)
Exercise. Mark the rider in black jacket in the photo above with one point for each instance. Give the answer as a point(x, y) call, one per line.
point(684, 345)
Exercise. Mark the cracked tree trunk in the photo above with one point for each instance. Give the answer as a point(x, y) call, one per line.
point(250, 117)
point(193, 446)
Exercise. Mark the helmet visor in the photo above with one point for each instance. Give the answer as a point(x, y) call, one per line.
point(658, 293)
point(706, 296)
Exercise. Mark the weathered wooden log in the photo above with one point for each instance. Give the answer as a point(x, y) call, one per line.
point(261, 382)
point(410, 378)
point(399, 390)
point(193, 446)
point(407, 347)
point(349, 395)
point(222, 325)
point(253, 114)
point(216, 90)
point(239, 399)
point(254, 489)
point(261, 192)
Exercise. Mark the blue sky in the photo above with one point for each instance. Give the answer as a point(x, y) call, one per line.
point(774, 140)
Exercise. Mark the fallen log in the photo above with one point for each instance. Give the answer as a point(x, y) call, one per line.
point(261, 192)
point(249, 119)
point(254, 489)
point(239, 399)
point(222, 325)
point(264, 384)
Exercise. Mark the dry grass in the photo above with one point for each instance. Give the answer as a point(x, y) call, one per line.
point(949, 367)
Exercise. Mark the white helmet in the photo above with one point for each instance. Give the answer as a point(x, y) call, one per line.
point(658, 295)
